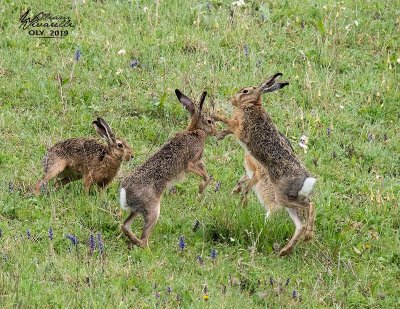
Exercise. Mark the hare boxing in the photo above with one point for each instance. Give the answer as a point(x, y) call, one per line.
point(141, 191)
point(289, 182)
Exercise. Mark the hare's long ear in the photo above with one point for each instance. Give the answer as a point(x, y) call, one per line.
point(104, 130)
point(275, 87)
point(100, 129)
point(109, 132)
point(202, 99)
point(186, 102)
point(269, 83)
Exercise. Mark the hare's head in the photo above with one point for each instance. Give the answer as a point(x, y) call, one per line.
point(118, 147)
point(252, 95)
point(199, 119)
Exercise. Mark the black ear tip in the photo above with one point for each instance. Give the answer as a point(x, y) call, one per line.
point(94, 122)
point(178, 93)
point(278, 74)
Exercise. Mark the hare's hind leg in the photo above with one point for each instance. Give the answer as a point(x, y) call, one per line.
point(52, 171)
point(126, 229)
point(300, 228)
point(309, 233)
point(150, 220)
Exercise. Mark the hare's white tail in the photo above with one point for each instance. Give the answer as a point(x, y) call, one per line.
point(122, 199)
point(308, 186)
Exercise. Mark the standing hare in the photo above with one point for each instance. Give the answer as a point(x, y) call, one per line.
point(288, 183)
point(86, 158)
point(141, 191)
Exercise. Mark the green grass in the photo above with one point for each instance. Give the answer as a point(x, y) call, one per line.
point(342, 60)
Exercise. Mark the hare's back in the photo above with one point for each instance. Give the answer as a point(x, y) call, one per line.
point(78, 149)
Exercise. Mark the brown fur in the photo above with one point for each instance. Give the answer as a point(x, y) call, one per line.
point(141, 191)
point(85, 158)
point(270, 157)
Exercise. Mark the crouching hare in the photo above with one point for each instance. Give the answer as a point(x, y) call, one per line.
point(86, 158)
point(286, 182)
point(141, 191)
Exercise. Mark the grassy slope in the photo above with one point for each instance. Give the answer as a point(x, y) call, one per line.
point(342, 62)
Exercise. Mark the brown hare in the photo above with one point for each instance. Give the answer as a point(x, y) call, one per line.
point(86, 158)
point(289, 184)
point(141, 191)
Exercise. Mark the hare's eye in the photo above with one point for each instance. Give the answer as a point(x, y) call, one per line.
point(245, 91)
point(120, 145)
point(209, 121)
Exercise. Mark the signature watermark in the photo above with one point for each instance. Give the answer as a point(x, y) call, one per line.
point(46, 25)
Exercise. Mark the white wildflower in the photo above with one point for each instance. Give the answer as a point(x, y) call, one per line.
point(303, 142)
point(121, 52)
point(238, 3)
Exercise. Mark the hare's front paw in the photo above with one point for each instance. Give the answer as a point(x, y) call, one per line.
point(244, 200)
point(203, 185)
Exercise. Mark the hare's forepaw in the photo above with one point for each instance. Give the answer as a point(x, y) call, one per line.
point(244, 200)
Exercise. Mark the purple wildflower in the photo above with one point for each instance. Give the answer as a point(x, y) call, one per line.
point(72, 238)
point(50, 233)
point(196, 225)
point(370, 137)
point(385, 138)
point(287, 281)
point(10, 187)
point(92, 243)
point(205, 289)
point(182, 243)
point(246, 50)
point(28, 234)
point(329, 131)
point(213, 254)
point(77, 55)
point(217, 186)
point(263, 18)
point(271, 281)
point(169, 289)
point(199, 259)
point(258, 63)
point(134, 63)
point(294, 294)
point(100, 243)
